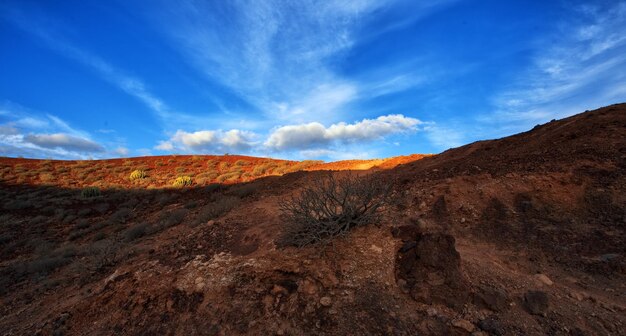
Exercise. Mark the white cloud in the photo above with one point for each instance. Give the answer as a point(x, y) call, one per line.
point(165, 146)
point(209, 140)
point(298, 136)
point(35, 134)
point(8, 130)
point(47, 146)
point(237, 140)
point(317, 153)
point(121, 151)
point(64, 141)
point(315, 134)
point(194, 140)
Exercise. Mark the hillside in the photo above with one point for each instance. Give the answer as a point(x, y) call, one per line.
point(162, 171)
point(524, 235)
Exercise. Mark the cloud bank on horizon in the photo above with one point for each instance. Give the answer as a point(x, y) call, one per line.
point(298, 80)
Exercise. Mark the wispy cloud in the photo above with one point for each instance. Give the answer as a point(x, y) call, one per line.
point(48, 31)
point(52, 34)
point(582, 70)
point(64, 141)
point(27, 132)
point(445, 137)
point(279, 56)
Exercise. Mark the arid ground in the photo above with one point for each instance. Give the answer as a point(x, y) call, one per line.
point(524, 235)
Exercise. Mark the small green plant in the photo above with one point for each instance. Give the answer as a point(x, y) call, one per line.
point(90, 192)
point(182, 181)
point(138, 175)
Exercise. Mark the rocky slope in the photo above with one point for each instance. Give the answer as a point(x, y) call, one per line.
point(523, 235)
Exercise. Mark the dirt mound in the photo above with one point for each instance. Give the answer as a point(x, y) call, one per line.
point(558, 146)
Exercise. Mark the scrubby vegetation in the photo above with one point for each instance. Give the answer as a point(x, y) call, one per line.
point(230, 176)
point(90, 192)
point(330, 207)
point(149, 173)
point(215, 209)
point(182, 181)
point(136, 231)
point(138, 174)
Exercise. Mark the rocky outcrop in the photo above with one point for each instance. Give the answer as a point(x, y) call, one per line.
point(429, 267)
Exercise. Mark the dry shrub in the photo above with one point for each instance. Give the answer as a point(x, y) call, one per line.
point(135, 232)
point(104, 254)
point(330, 207)
point(244, 189)
point(263, 169)
point(90, 192)
point(121, 215)
point(46, 177)
point(215, 209)
point(302, 165)
point(172, 218)
point(212, 164)
point(206, 177)
point(228, 176)
point(223, 166)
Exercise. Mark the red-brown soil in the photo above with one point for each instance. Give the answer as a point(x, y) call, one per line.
point(523, 235)
point(161, 171)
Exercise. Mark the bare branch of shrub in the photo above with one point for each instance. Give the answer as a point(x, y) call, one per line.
point(330, 207)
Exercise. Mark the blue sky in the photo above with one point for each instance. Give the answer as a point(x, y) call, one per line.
point(297, 79)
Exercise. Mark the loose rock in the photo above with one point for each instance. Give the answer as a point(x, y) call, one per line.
point(491, 325)
point(492, 298)
point(543, 279)
point(463, 324)
point(536, 302)
point(326, 301)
